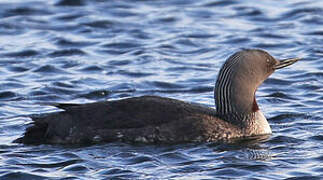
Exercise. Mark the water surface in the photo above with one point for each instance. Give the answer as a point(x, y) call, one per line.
point(80, 51)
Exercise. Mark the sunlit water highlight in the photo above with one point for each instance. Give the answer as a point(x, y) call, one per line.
point(81, 51)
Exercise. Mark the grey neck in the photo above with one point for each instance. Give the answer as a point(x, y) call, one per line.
point(235, 95)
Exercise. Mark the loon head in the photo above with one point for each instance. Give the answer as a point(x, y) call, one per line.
point(238, 81)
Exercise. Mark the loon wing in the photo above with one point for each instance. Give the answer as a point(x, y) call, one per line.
point(64, 106)
point(83, 121)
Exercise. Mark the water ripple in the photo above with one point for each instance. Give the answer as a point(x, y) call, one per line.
point(78, 51)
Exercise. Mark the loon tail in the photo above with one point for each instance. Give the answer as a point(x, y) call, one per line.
point(35, 134)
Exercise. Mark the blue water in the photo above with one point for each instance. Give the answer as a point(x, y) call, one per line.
point(80, 51)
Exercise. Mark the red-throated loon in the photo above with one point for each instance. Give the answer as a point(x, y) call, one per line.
point(154, 119)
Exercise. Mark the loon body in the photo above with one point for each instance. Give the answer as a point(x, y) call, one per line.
point(153, 119)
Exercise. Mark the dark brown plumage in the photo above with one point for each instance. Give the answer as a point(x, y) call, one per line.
point(141, 119)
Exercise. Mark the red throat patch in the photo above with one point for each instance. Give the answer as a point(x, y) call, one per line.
point(255, 107)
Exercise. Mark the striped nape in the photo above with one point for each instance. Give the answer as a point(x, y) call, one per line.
point(224, 85)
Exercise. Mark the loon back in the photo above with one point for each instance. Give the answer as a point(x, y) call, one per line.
point(140, 119)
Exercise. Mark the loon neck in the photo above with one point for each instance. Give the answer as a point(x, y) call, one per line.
point(235, 103)
point(242, 112)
